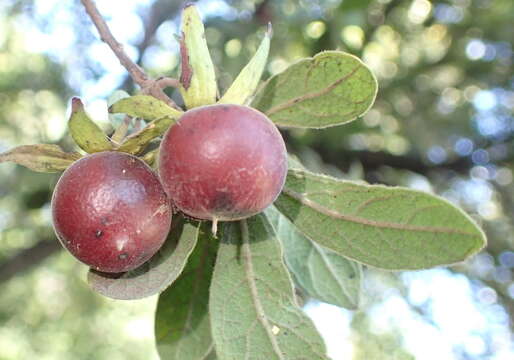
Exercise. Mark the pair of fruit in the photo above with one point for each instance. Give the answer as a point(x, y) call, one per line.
point(219, 162)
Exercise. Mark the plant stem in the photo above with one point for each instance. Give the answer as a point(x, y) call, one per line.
point(165, 82)
point(135, 71)
point(148, 86)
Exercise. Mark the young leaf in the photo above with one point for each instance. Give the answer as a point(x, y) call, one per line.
point(197, 77)
point(182, 324)
point(385, 227)
point(243, 88)
point(323, 274)
point(254, 314)
point(145, 107)
point(137, 142)
point(332, 88)
point(88, 136)
point(156, 274)
point(151, 158)
point(41, 158)
point(116, 119)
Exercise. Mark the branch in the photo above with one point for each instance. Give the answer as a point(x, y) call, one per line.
point(160, 11)
point(28, 258)
point(148, 86)
point(165, 82)
point(106, 36)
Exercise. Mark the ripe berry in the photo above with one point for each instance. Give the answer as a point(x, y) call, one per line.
point(110, 211)
point(223, 162)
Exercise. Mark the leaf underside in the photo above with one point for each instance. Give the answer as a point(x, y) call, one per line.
point(157, 273)
point(332, 88)
point(385, 227)
point(41, 158)
point(182, 324)
point(85, 132)
point(197, 78)
point(321, 273)
point(161, 115)
point(244, 86)
point(137, 142)
point(145, 107)
point(116, 119)
point(254, 314)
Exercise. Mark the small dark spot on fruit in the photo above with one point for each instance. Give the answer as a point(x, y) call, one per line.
point(222, 202)
point(122, 256)
point(104, 220)
point(98, 233)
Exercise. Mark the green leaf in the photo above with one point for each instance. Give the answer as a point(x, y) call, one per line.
point(212, 356)
point(150, 108)
point(332, 88)
point(323, 274)
point(41, 158)
point(151, 158)
point(116, 119)
point(386, 227)
point(88, 136)
point(137, 142)
point(182, 324)
point(197, 76)
point(145, 107)
point(254, 314)
point(157, 273)
point(246, 82)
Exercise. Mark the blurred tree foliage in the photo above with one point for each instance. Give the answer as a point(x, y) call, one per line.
point(443, 122)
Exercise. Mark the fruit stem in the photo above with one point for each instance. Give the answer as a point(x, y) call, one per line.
point(214, 228)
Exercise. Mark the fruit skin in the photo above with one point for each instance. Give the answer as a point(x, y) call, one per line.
point(110, 211)
point(223, 162)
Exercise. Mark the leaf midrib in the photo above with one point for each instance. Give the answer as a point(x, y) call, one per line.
point(312, 95)
point(250, 277)
point(199, 271)
point(367, 222)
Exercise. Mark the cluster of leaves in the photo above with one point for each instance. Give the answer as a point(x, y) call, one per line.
point(316, 237)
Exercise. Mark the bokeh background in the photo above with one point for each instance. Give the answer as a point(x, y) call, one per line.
point(443, 122)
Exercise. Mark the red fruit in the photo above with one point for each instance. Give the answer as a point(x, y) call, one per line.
point(110, 211)
point(223, 162)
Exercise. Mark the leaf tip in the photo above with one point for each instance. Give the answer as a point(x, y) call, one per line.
point(269, 30)
point(76, 104)
point(188, 4)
